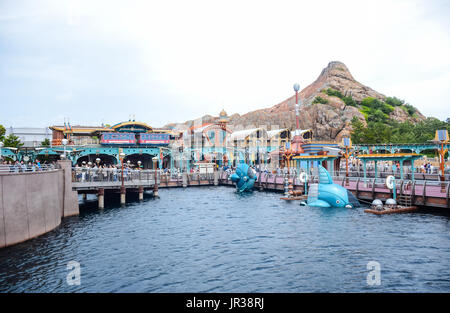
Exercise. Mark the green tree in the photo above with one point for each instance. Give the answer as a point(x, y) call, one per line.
point(357, 130)
point(410, 109)
point(395, 102)
point(319, 100)
point(350, 101)
point(45, 143)
point(12, 141)
point(2, 132)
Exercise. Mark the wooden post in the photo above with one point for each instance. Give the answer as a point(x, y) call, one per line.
point(155, 186)
point(141, 193)
point(123, 192)
point(101, 198)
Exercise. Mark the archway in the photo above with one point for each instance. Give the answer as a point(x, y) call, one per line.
point(146, 160)
point(105, 159)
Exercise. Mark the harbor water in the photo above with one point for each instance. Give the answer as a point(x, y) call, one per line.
point(212, 239)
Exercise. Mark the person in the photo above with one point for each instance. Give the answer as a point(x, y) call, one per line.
point(114, 171)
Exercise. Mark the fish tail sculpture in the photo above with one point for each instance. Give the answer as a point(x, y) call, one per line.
point(329, 194)
point(244, 177)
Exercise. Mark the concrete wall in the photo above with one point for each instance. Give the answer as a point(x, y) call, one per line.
point(32, 204)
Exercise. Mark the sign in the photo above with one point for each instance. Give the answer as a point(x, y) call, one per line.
point(347, 142)
point(442, 135)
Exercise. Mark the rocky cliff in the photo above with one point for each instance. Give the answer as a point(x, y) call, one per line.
point(327, 114)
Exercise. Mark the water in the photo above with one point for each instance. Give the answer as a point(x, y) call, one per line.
point(210, 239)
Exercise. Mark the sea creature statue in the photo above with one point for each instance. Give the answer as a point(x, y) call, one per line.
point(327, 194)
point(244, 177)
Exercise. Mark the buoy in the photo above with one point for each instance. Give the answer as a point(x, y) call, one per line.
point(390, 182)
point(391, 203)
point(377, 204)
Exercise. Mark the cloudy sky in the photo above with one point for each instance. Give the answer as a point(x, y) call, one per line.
point(169, 61)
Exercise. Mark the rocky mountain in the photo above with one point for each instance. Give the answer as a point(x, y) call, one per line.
point(327, 107)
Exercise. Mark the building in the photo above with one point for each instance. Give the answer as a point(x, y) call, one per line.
point(30, 136)
point(77, 135)
point(207, 142)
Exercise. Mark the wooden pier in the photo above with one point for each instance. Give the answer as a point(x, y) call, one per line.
point(421, 192)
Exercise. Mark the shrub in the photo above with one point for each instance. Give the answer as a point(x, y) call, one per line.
point(320, 100)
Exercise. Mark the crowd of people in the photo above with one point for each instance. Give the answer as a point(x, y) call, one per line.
point(21, 167)
point(392, 167)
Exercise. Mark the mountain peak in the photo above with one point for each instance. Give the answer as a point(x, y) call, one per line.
point(337, 76)
point(339, 69)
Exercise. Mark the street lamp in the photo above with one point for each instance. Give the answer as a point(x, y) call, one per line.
point(121, 157)
point(64, 142)
point(297, 106)
point(1, 146)
point(122, 189)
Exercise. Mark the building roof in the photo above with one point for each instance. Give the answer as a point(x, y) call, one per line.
point(131, 123)
point(28, 130)
point(243, 134)
point(298, 132)
point(390, 156)
point(314, 157)
point(274, 132)
point(81, 129)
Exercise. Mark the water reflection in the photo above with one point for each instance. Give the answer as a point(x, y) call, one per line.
point(212, 239)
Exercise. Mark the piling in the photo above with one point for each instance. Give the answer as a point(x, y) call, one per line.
point(141, 193)
point(216, 177)
point(101, 198)
point(122, 195)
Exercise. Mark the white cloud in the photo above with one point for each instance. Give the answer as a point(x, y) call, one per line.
point(198, 57)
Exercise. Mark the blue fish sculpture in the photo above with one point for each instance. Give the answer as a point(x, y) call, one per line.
point(327, 194)
point(244, 177)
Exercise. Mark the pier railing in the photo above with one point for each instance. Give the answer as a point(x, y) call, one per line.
point(114, 175)
point(24, 168)
point(80, 174)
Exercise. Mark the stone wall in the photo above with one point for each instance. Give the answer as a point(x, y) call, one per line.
point(32, 204)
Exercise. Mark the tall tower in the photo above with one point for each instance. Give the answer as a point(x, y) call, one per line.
point(297, 140)
point(223, 119)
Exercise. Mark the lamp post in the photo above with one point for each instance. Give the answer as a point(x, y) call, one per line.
point(122, 188)
point(347, 143)
point(64, 142)
point(1, 146)
point(155, 187)
point(297, 106)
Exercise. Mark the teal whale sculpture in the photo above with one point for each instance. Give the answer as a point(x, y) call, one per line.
point(244, 177)
point(327, 194)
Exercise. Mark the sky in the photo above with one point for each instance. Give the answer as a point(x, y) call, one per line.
point(95, 62)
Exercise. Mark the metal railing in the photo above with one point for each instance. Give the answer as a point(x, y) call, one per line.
point(86, 174)
point(25, 168)
point(407, 175)
point(406, 186)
